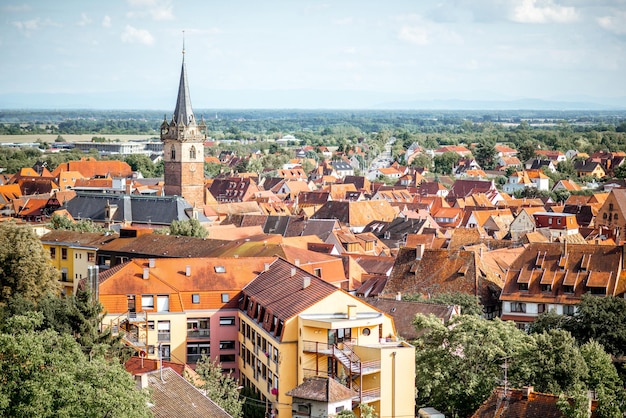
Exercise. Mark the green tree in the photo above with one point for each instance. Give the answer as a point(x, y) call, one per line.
point(25, 267)
point(555, 362)
point(459, 364)
point(445, 162)
point(219, 387)
point(604, 380)
point(485, 153)
point(185, 228)
point(602, 320)
point(143, 164)
point(47, 374)
point(422, 161)
point(64, 223)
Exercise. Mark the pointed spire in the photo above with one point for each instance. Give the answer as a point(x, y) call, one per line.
point(183, 114)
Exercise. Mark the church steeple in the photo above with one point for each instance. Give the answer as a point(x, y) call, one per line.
point(183, 113)
point(183, 147)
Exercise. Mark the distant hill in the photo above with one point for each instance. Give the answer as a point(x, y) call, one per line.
point(526, 104)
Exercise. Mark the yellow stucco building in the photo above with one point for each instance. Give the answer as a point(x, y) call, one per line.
point(294, 326)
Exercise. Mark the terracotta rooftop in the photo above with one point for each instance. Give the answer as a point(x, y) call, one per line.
point(322, 389)
point(174, 396)
point(284, 294)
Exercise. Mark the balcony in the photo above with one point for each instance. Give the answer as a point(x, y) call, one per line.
point(199, 333)
point(194, 358)
point(163, 336)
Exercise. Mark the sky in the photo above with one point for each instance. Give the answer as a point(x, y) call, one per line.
point(127, 54)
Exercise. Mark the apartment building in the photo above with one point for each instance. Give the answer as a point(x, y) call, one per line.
point(294, 327)
point(179, 309)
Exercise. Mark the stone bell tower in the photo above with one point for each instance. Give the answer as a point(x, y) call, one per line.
point(183, 147)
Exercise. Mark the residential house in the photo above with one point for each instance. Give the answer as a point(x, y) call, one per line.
point(90, 168)
point(434, 271)
point(459, 149)
point(320, 397)
point(294, 327)
point(554, 276)
point(567, 185)
point(611, 217)
point(233, 189)
point(73, 254)
point(432, 188)
point(539, 164)
point(464, 188)
point(557, 224)
point(505, 151)
point(589, 168)
point(555, 156)
point(506, 402)
point(518, 181)
point(395, 233)
point(524, 222)
point(342, 169)
point(356, 215)
point(539, 179)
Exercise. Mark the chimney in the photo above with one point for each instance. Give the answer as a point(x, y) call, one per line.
point(297, 262)
point(399, 296)
point(527, 390)
point(146, 273)
point(293, 271)
point(266, 266)
point(141, 380)
point(419, 251)
point(151, 262)
point(187, 271)
point(306, 282)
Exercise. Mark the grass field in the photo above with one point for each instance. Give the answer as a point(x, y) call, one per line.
point(70, 138)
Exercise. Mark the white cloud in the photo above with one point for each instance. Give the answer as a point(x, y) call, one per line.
point(535, 11)
point(106, 21)
point(28, 25)
point(134, 35)
point(615, 23)
point(84, 20)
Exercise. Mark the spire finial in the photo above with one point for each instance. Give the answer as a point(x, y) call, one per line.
point(183, 44)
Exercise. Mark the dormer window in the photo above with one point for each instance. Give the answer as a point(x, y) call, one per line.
point(546, 288)
point(522, 286)
point(568, 289)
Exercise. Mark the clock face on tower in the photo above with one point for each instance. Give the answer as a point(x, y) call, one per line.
point(192, 167)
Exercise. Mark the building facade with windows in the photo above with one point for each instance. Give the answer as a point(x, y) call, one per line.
point(73, 253)
point(179, 309)
point(294, 327)
point(554, 276)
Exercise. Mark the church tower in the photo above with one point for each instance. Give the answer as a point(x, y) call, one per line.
point(183, 148)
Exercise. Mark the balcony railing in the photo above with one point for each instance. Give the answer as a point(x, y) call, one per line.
point(199, 333)
point(163, 336)
point(194, 358)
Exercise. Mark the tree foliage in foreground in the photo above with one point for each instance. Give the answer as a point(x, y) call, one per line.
point(459, 364)
point(219, 387)
point(25, 267)
point(47, 374)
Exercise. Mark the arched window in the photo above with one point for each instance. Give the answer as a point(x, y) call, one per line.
point(173, 154)
point(192, 153)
